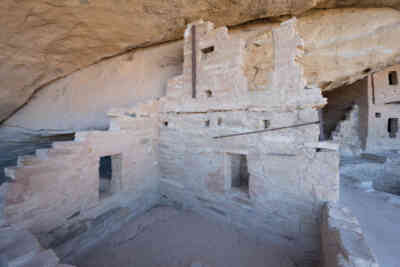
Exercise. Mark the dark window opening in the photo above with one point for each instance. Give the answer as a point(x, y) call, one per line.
point(105, 173)
point(109, 175)
point(393, 127)
point(393, 80)
point(219, 121)
point(207, 123)
point(367, 70)
point(378, 115)
point(165, 123)
point(267, 123)
point(239, 172)
point(208, 93)
point(208, 50)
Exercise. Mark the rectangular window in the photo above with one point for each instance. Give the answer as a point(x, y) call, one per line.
point(393, 127)
point(239, 172)
point(207, 52)
point(110, 175)
point(393, 79)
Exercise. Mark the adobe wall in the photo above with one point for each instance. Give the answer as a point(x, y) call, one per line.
point(61, 185)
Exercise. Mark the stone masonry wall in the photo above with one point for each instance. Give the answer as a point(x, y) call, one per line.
point(347, 133)
point(383, 103)
point(168, 146)
point(67, 176)
point(290, 174)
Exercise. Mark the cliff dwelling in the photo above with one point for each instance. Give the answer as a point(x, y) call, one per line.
point(273, 141)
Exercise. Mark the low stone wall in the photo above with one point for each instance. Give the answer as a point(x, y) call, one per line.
point(343, 243)
point(67, 175)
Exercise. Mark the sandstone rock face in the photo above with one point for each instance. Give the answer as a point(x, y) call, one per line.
point(340, 46)
point(42, 40)
point(82, 99)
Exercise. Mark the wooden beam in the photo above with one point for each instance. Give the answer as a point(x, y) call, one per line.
point(268, 130)
point(194, 62)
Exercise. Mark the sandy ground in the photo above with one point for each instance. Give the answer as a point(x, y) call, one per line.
point(167, 237)
point(379, 216)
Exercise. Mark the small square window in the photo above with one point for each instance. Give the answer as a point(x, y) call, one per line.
point(378, 115)
point(207, 52)
point(393, 79)
point(207, 123)
point(266, 124)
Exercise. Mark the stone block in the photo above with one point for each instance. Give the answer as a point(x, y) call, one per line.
point(343, 242)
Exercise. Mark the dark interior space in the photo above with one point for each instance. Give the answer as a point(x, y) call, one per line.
point(393, 127)
point(340, 102)
point(240, 173)
point(105, 175)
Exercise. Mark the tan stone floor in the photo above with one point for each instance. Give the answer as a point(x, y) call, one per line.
point(167, 237)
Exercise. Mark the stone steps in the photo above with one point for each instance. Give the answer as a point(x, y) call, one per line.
point(44, 156)
point(43, 163)
point(19, 248)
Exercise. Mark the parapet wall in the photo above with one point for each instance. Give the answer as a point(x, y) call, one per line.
point(343, 243)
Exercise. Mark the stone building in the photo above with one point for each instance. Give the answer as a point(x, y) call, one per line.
point(383, 110)
point(267, 180)
point(246, 151)
point(364, 116)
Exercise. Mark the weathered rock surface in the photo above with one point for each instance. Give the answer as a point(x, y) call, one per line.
point(44, 40)
point(340, 47)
